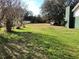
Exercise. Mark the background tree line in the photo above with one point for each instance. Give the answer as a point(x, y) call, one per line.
point(33, 19)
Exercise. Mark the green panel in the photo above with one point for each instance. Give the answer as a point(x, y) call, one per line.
point(76, 22)
point(67, 16)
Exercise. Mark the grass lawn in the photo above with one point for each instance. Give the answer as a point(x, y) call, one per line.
point(40, 41)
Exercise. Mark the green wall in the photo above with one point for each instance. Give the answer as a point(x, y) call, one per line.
point(77, 22)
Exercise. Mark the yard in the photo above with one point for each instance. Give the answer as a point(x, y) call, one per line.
point(40, 41)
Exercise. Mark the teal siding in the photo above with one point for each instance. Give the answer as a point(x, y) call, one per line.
point(77, 22)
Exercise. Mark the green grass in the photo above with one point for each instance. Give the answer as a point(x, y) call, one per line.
point(42, 41)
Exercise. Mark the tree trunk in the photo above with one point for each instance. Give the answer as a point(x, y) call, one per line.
point(8, 25)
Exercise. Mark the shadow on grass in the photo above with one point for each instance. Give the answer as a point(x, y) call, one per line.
point(47, 45)
point(3, 39)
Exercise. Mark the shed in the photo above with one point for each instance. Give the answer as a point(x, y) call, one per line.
point(72, 16)
point(75, 11)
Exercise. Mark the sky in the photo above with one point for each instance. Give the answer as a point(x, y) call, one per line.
point(34, 6)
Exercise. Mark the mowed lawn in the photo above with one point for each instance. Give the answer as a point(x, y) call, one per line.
point(40, 41)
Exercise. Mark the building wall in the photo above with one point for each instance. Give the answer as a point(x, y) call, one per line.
point(76, 15)
point(76, 12)
point(77, 22)
point(67, 16)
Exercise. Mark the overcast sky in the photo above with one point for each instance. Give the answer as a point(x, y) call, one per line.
point(34, 5)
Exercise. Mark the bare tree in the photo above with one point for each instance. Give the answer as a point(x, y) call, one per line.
point(19, 16)
point(10, 9)
point(71, 2)
point(54, 10)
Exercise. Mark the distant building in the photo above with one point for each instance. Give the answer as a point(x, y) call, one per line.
point(72, 16)
point(27, 22)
